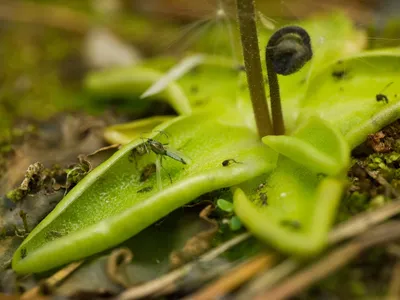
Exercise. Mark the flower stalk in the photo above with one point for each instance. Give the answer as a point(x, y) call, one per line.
point(287, 51)
point(252, 63)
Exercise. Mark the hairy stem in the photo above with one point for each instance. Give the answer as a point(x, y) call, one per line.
point(251, 54)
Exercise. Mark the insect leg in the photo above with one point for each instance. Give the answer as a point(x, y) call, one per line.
point(170, 179)
point(158, 172)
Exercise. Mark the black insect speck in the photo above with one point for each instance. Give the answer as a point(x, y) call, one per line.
point(229, 161)
point(382, 98)
point(339, 74)
point(23, 253)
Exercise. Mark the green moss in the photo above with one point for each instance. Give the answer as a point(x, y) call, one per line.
point(351, 205)
point(77, 172)
point(33, 181)
point(38, 178)
point(383, 161)
point(16, 194)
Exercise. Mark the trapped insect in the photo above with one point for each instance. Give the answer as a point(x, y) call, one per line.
point(161, 150)
point(157, 148)
point(230, 161)
point(382, 97)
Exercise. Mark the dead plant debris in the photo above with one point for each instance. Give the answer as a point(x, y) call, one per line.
point(198, 244)
point(118, 257)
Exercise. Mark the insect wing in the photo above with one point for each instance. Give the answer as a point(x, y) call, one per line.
point(178, 156)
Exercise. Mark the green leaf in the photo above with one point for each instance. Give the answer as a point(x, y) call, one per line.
point(131, 82)
point(301, 204)
point(196, 89)
point(225, 205)
point(316, 145)
point(124, 133)
point(113, 202)
point(344, 93)
point(213, 84)
point(300, 209)
point(234, 223)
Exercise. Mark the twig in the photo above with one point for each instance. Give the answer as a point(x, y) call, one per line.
point(51, 282)
point(161, 283)
point(200, 274)
point(382, 181)
point(268, 279)
point(318, 270)
point(225, 246)
point(363, 221)
point(234, 278)
point(385, 233)
point(355, 226)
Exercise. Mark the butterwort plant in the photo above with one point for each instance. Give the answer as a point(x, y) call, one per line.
point(286, 187)
point(287, 51)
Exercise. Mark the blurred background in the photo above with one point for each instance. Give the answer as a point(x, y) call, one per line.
point(180, 9)
point(47, 46)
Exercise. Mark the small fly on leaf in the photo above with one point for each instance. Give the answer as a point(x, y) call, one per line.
point(230, 161)
point(161, 150)
point(382, 97)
